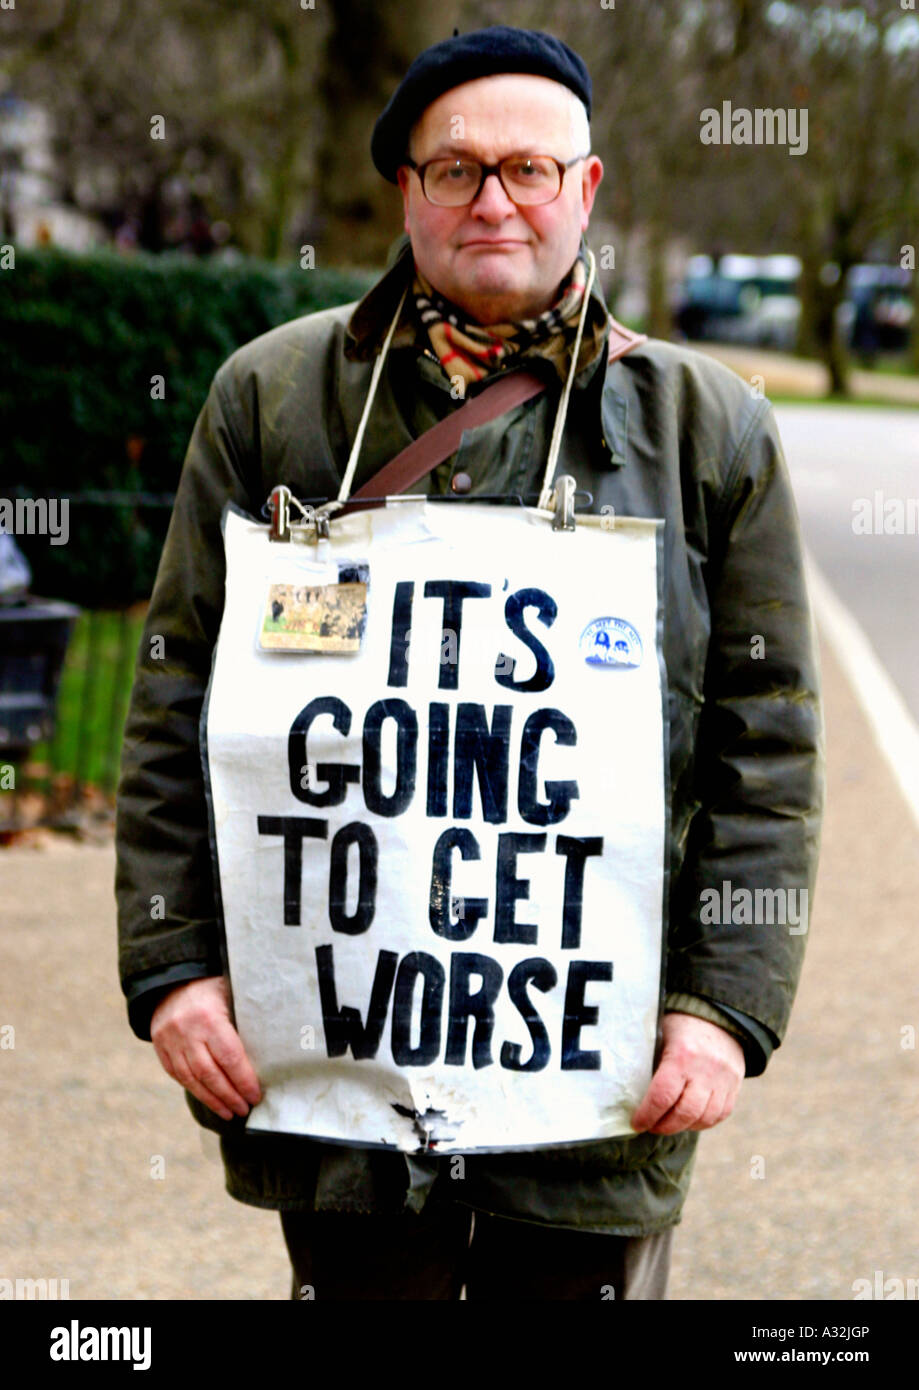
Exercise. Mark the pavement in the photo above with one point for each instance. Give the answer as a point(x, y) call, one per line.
point(783, 374)
point(106, 1181)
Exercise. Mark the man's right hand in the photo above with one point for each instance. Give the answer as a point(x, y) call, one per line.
point(199, 1047)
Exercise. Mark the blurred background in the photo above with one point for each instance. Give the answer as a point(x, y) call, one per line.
point(176, 178)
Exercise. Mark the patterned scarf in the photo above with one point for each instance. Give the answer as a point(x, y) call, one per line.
point(471, 351)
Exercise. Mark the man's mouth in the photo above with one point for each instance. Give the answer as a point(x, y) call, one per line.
point(503, 241)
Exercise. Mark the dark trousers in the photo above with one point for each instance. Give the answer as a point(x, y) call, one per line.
point(343, 1257)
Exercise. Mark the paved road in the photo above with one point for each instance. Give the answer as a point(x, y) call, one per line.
point(840, 457)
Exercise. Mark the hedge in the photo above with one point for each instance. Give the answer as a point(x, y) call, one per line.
point(81, 338)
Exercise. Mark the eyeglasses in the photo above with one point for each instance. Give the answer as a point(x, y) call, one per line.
point(526, 179)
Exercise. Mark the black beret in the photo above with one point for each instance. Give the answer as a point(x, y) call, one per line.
point(462, 59)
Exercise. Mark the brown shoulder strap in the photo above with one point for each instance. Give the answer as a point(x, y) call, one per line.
point(443, 439)
point(622, 339)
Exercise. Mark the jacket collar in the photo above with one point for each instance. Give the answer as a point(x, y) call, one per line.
point(373, 314)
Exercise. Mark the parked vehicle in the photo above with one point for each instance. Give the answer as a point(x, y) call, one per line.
point(877, 313)
point(744, 299)
point(754, 300)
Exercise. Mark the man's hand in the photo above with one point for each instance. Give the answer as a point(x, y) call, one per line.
point(697, 1079)
point(199, 1047)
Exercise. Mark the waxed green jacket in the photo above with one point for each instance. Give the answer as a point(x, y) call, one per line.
point(662, 432)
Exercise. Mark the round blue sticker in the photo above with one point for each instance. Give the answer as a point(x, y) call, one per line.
point(610, 642)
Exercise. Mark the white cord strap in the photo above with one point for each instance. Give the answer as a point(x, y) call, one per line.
point(561, 413)
point(346, 481)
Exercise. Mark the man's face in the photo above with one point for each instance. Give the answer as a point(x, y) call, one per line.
point(498, 261)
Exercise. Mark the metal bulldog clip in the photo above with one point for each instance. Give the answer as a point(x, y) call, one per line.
point(314, 523)
point(562, 501)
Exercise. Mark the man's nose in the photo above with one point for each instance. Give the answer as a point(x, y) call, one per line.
point(492, 201)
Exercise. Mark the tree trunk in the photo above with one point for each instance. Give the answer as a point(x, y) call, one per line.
point(659, 319)
point(818, 335)
point(370, 46)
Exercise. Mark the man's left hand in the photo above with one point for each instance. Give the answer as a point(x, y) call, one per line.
point(697, 1079)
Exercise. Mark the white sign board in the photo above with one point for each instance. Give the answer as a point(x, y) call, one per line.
point(435, 748)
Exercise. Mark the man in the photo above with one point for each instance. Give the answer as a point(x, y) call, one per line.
point(497, 279)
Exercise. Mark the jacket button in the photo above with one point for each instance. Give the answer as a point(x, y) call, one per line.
point(461, 482)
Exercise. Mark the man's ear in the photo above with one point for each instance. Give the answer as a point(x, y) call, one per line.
point(591, 175)
point(403, 174)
